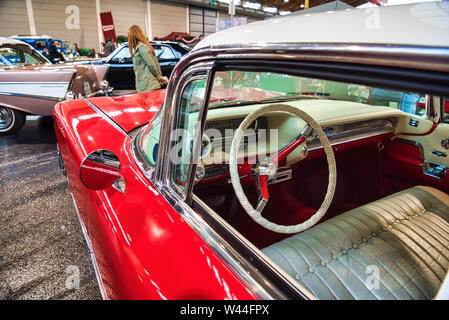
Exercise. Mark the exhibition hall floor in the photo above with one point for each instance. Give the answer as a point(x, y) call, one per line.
point(42, 248)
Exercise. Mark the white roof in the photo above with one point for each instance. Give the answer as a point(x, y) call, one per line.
point(424, 24)
point(10, 41)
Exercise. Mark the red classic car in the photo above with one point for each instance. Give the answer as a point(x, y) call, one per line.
point(276, 165)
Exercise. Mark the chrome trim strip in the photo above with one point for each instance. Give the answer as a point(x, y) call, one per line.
point(137, 158)
point(104, 296)
point(415, 57)
point(251, 276)
point(22, 95)
point(106, 117)
point(196, 149)
point(361, 137)
point(232, 259)
point(413, 143)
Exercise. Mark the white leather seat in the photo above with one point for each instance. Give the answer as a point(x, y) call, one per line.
point(393, 248)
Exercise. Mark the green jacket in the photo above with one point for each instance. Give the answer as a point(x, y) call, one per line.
point(146, 68)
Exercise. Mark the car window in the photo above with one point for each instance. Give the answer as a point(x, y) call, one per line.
point(164, 52)
point(150, 139)
point(231, 87)
point(10, 55)
point(30, 59)
point(123, 56)
point(39, 44)
point(183, 135)
point(149, 143)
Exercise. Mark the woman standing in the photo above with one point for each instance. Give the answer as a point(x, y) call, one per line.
point(146, 66)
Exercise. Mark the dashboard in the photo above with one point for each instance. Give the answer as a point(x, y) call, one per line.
point(342, 122)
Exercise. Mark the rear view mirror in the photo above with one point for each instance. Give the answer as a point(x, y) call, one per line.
point(100, 169)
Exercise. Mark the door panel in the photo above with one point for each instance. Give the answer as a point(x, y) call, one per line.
point(417, 156)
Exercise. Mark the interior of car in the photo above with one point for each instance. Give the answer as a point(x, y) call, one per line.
point(342, 186)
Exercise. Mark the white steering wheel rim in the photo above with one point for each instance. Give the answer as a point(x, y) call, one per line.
point(235, 179)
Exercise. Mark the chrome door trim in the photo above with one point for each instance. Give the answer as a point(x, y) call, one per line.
point(103, 293)
point(412, 143)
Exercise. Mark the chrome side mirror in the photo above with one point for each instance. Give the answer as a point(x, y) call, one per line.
point(100, 170)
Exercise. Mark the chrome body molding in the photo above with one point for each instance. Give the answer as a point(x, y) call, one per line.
point(106, 117)
point(91, 252)
point(23, 95)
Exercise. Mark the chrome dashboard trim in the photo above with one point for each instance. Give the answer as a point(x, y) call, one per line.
point(361, 137)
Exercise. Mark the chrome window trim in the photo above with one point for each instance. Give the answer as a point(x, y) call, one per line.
point(164, 169)
point(415, 57)
point(138, 158)
point(170, 169)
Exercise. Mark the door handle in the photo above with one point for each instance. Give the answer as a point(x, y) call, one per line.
point(439, 153)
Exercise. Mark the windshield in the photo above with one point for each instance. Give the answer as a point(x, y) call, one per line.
point(232, 88)
point(14, 56)
point(235, 94)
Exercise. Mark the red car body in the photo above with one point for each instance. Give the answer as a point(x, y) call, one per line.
point(130, 237)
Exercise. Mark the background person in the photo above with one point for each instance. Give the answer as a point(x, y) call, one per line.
point(146, 66)
point(109, 46)
point(53, 53)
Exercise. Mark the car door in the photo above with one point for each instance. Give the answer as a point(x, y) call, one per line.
point(419, 152)
point(121, 72)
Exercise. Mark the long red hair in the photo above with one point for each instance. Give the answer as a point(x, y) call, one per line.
point(135, 35)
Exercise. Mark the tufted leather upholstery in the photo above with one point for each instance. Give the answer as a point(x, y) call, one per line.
point(393, 248)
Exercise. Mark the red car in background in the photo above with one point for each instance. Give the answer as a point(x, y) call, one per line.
point(275, 165)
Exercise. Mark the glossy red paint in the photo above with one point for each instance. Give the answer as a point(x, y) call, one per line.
point(144, 249)
point(96, 176)
point(132, 110)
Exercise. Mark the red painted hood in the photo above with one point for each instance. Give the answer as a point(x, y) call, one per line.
point(132, 110)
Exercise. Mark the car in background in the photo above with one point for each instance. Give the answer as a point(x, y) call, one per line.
point(30, 84)
point(121, 72)
point(276, 165)
point(44, 41)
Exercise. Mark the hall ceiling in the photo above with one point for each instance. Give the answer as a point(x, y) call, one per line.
point(294, 5)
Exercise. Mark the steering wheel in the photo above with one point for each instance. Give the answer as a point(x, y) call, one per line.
point(264, 171)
